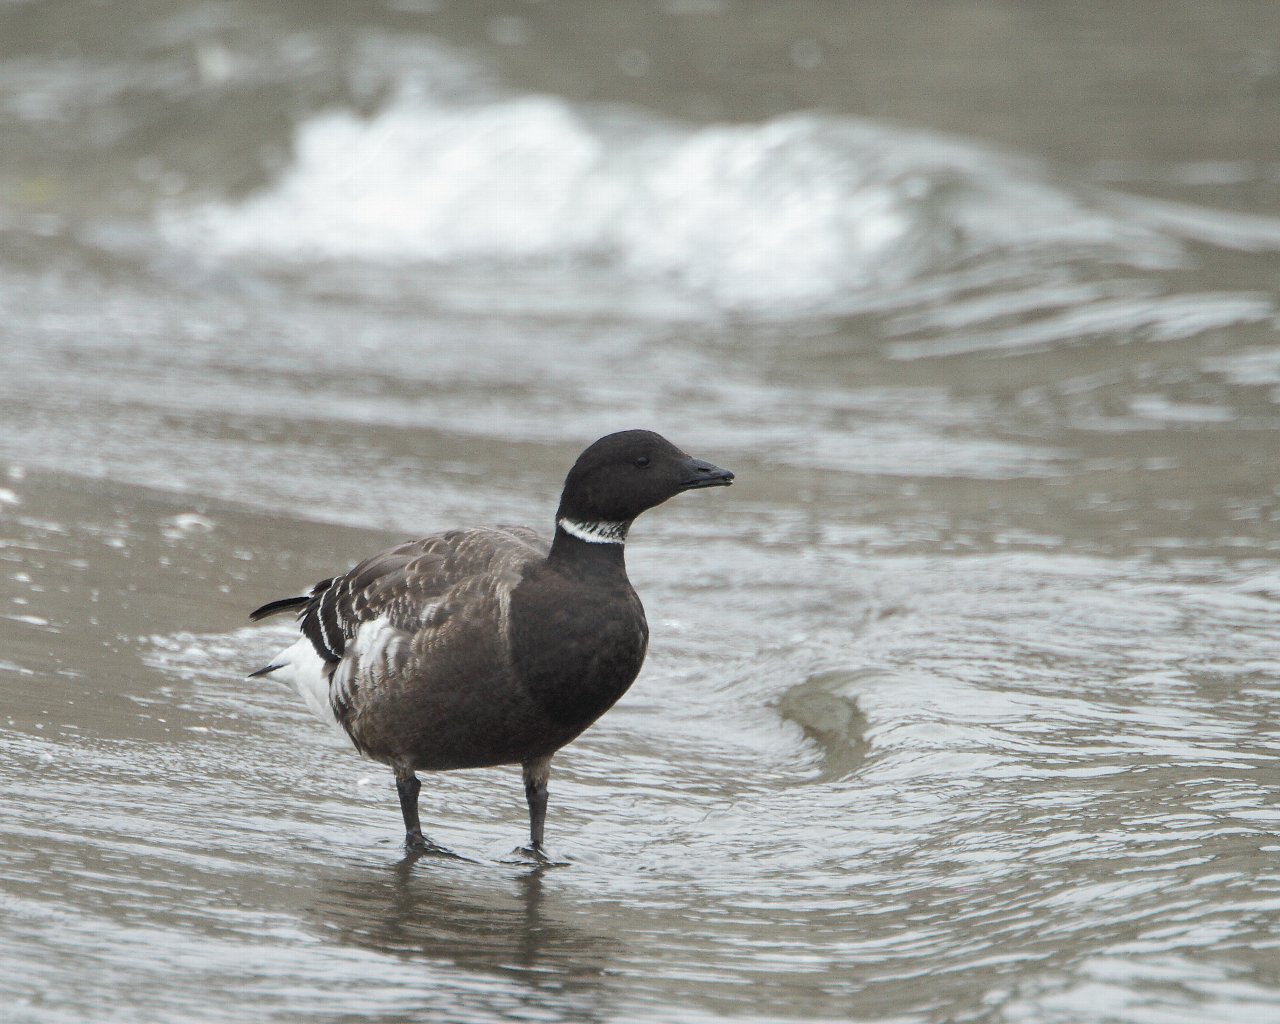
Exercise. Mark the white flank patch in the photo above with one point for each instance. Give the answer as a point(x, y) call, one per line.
point(596, 533)
point(372, 637)
point(376, 654)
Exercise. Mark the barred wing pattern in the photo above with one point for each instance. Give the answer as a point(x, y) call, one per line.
point(383, 620)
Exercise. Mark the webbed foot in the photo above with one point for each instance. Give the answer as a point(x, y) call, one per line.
point(417, 845)
point(536, 855)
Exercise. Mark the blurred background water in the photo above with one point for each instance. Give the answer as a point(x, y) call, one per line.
point(960, 706)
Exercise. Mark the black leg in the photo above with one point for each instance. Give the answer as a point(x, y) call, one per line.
point(536, 774)
point(407, 785)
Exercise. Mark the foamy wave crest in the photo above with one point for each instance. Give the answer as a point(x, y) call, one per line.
point(804, 211)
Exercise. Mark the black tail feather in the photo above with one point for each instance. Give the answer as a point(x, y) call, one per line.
point(276, 607)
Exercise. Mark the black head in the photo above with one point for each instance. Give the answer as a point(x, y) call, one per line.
point(625, 473)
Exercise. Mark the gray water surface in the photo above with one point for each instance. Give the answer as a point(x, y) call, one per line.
point(960, 704)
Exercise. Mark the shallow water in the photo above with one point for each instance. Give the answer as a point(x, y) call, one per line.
point(960, 704)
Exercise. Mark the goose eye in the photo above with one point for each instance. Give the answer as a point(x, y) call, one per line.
point(642, 460)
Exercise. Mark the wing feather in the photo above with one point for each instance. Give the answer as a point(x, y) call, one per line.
point(408, 602)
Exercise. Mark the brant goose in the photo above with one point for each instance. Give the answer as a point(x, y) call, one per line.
point(488, 646)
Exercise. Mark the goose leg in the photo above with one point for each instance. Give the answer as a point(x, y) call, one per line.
point(407, 785)
point(536, 773)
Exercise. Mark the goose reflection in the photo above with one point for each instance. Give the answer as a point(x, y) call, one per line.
point(489, 919)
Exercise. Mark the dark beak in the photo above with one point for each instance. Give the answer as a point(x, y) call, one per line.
point(704, 474)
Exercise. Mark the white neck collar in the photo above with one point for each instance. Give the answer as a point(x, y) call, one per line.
point(596, 532)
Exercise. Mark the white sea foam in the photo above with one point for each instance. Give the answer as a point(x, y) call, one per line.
point(804, 212)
